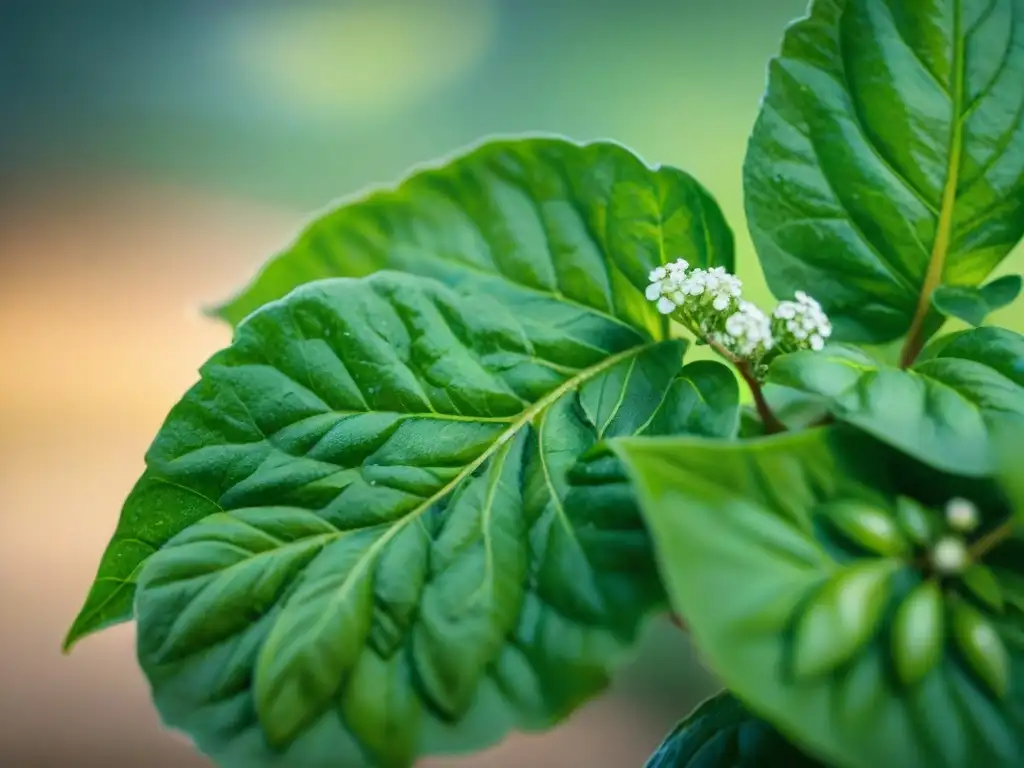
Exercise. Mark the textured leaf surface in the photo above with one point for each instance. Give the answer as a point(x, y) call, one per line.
point(743, 554)
point(721, 733)
point(943, 410)
point(390, 562)
point(973, 305)
point(520, 220)
point(560, 234)
point(890, 141)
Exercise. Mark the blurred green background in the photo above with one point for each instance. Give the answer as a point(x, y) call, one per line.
point(153, 154)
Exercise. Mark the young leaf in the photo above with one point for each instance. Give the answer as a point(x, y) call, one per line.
point(921, 525)
point(841, 618)
point(523, 220)
point(741, 558)
point(941, 411)
point(721, 733)
point(888, 157)
point(918, 632)
point(868, 527)
point(981, 646)
point(973, 305)
point(984, 585)
point(393, 564)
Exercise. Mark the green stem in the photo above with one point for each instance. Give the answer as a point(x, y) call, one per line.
point(772, 425)
point(944, 227)
point(992, 539)
point(771, 422)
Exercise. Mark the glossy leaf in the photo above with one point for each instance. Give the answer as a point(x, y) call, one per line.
point(521, 220)
point(921, 525)
point(868, 527)
point(978, 641)
point(984, 586)
point(563, 235)
point(918, 632)
point(721, 733)
point(973, 305)
point(888, 157)
point(942, 411)
point(743, 559)
point(395, 564)
point(841, 617)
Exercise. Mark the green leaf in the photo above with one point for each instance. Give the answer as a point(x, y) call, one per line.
point(984, 585)
point(921, 525)
point(522, 220)
point(394, 563)
point(918, 632)
point(737, 539)
point(868, 527)
point(888, 157)
point(841, 618)
point(563, 235)
point(973, 305)
point(978, 641)
point(942, 411)
point(721, 733)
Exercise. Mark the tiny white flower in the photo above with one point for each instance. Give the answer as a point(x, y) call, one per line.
point(748, 332)
point(653, 292)
point(949, 556)
point(962, 515)
point(800, 324)
point(666, 306)
point(657, 274)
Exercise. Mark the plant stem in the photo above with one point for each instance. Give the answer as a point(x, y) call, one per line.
point(943, 230)
point(992, 539)
point(772, 425)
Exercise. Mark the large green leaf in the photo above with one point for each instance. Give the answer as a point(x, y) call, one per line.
point(943, 410)
point(389, 561)
point(888, 157)
point(523, 220)
point(804, 626)
point(721, 733)
point(563, 235)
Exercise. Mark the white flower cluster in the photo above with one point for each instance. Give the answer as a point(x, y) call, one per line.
point(708, 301)
point(748, 332)
point(800, 324)
point(696, 292)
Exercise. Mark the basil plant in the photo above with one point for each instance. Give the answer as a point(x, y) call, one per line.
point(455, 457)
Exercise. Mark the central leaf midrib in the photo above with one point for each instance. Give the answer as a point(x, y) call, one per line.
point(944, 225)
point(526, 417)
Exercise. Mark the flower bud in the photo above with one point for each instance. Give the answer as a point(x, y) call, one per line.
point(949, 556)
point(962, 515)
